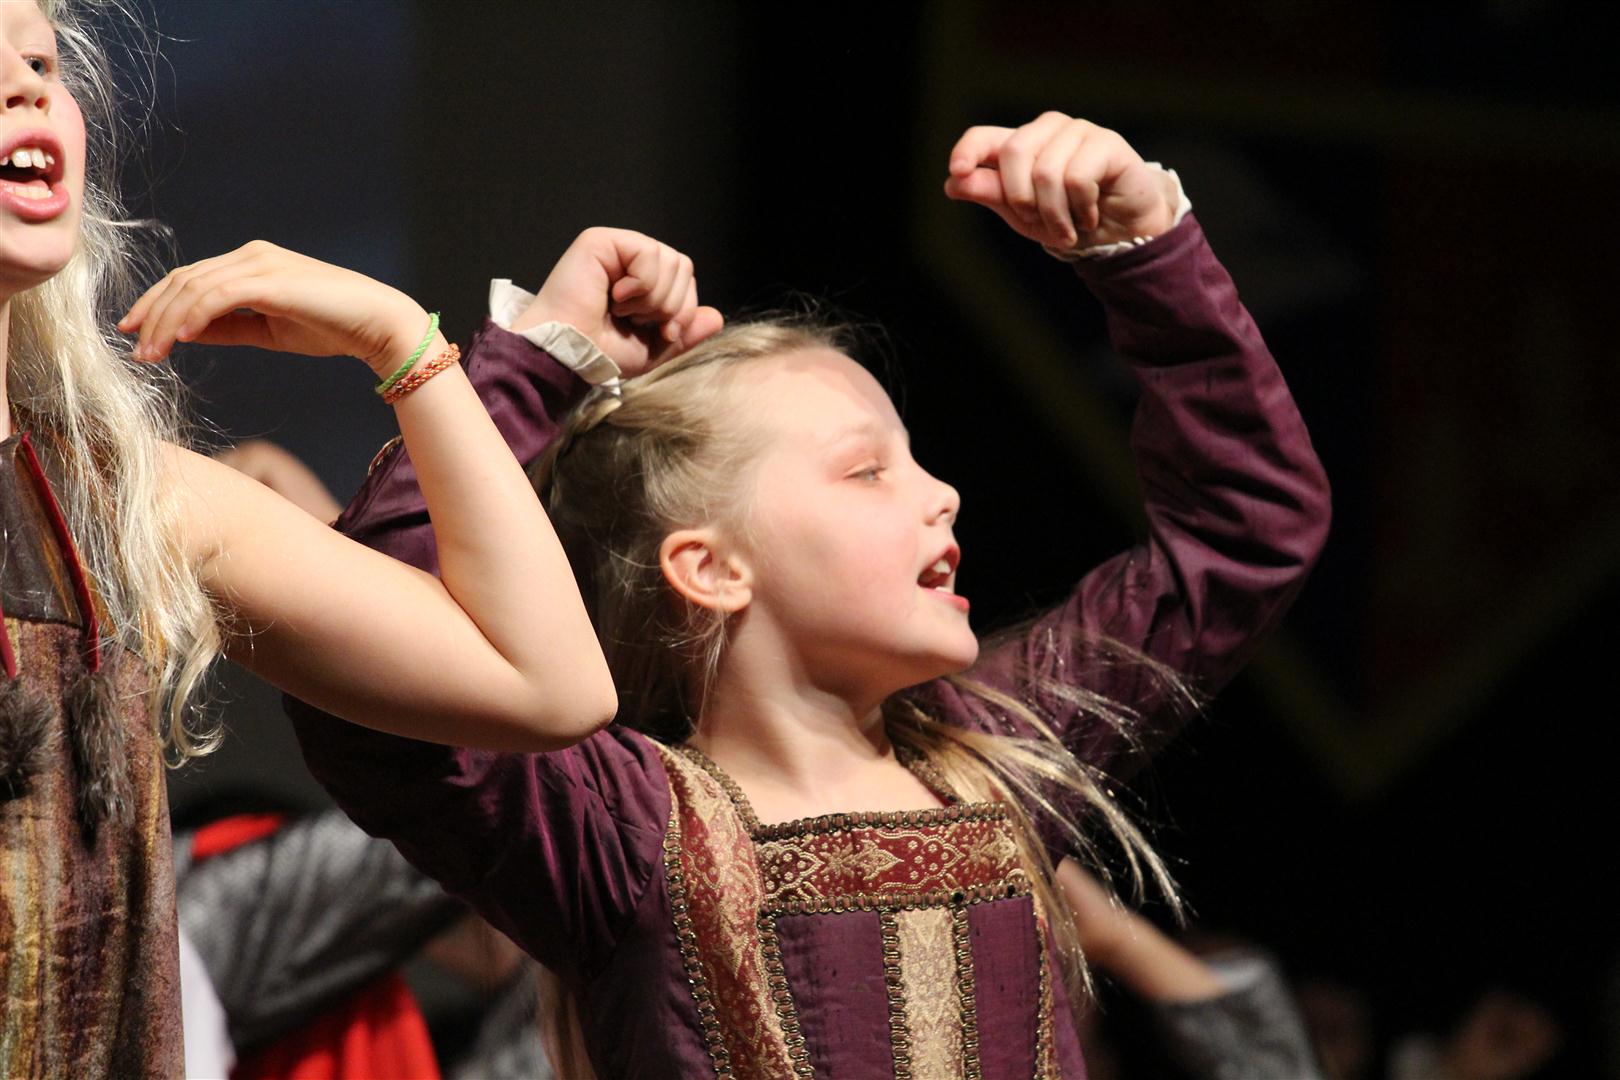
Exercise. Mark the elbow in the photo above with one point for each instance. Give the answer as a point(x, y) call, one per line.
point(557, 724)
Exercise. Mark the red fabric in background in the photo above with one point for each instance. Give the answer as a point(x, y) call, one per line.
point(377, 1033)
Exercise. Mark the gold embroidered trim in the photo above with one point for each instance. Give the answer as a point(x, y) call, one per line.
point(924, 770)
point(891, 819)
point(745, 809)
point(899, 1030)
point(826, 823)
point(960, 932)
point(1044, 1067)
point(1014, 884)
point(686, 936)
point(786, 1011)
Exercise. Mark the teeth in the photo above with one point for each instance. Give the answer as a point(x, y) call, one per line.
point(30, 157)
point(941, 567)
point(28, 192)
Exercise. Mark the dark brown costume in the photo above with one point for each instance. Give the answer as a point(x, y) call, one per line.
point(89, 981)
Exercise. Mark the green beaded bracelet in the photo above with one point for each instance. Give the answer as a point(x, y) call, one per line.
point(405, 368)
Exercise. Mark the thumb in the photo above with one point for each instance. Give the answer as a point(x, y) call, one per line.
point(703, 324)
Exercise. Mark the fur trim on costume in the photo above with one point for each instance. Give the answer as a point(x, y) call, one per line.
point(25, 720)
point(96, 734)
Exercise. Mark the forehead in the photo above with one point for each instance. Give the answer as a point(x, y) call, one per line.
point(23, 17)
point(814, 395)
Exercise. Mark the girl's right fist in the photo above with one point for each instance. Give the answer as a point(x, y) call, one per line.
point(634, 297)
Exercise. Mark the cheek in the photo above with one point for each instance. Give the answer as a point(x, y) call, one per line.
point(68, 120)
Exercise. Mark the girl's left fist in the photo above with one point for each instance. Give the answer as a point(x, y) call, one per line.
point(1062, 182)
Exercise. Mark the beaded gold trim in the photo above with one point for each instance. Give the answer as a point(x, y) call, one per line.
point(965, 992)
point(745, 809)
point(686, 936)
point(827, 823)
point(1044, 1067)
point(787, 1012)
point(894, 983)
point(1014, 884)
point(924, 770)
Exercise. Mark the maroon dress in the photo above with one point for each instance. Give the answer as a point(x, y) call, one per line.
point(698, 942)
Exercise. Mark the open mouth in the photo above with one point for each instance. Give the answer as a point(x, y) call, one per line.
point(941, 574)
point(29, 171)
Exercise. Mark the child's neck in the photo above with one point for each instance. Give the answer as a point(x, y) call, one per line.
point(800, 751)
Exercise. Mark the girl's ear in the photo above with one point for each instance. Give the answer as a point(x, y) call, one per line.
point(701, 568)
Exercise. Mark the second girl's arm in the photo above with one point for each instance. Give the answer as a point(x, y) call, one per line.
point(1236, 501)
point(500, 652)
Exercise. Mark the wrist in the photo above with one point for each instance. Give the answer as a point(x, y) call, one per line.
point(406, 329)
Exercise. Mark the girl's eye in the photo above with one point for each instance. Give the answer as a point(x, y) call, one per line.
point(871, 472)
point(39, 65)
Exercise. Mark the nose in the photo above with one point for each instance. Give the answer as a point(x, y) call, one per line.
point(944, 503)
point(20, 85)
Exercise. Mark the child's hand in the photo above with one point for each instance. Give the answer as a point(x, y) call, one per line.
point(1062, 182)
point(633, 296)
point(264, 295)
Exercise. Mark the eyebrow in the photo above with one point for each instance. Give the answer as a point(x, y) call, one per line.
point(866, 430)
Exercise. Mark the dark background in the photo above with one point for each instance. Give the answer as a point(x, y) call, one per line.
point(1410, 792)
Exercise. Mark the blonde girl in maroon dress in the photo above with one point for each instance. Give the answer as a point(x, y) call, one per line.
point(130, 563)
point(820, 838)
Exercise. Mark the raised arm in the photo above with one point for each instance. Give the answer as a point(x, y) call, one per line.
point(321, 616)
point(1236, 501)
point(614, 292)
point(553, 849)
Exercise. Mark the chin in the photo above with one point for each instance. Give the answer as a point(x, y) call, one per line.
point(19, 275)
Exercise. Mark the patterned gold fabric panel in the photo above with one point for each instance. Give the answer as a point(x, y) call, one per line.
point(930, 985)
point(720, 910)
point(88, 960)
point(911, 854)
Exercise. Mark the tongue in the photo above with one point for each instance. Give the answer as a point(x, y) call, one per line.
point(36, 182)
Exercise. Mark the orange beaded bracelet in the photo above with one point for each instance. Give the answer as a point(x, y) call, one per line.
point(443, 362)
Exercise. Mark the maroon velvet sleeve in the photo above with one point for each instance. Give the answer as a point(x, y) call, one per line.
point(554, 849)
point(525, 392)
point(1237, 508)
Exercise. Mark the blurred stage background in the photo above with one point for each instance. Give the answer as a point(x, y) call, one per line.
point(1410, 793)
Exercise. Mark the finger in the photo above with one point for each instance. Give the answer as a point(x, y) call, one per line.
point(658, 302)
point(156, 322)
point(649, 307)
point(195, 313)
point(626, 289)
point(237, 328)
point(177, 310)
point(681, 321)
point(682, 294)
point(1088, 171)
point(1016, 162)
point(977, 147)
point(1049, 175)
point(646, 266)
point(982, 186)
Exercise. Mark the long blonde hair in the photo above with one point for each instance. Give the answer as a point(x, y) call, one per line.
point(102, 418)
point(664, 454)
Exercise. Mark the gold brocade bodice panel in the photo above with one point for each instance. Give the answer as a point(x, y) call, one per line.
point(810, 943)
